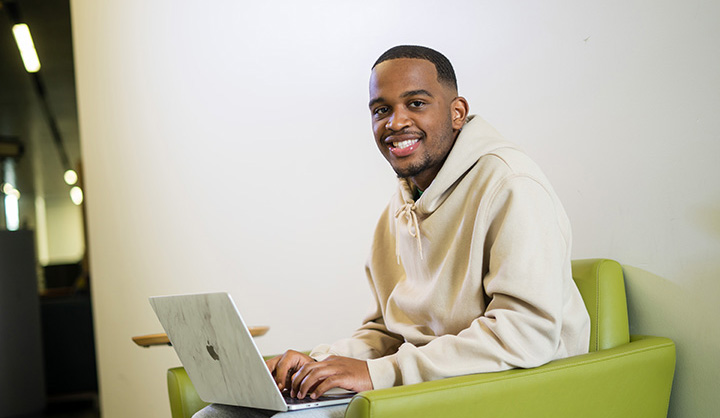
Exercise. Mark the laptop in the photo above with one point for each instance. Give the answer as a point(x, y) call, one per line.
point(220, 356)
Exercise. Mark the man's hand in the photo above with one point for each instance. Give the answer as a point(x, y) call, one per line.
point(316, 378)
point(285, 366)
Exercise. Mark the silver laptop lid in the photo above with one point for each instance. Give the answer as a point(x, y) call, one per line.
point(217, 350)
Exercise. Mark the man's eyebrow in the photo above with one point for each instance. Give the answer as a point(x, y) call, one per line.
point(375, 100)
point(419, 92)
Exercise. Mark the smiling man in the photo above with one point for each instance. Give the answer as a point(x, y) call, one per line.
point(470, 264)
point(416, 116)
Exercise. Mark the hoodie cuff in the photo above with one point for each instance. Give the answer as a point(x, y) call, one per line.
point(321, 352)
point(385, 372)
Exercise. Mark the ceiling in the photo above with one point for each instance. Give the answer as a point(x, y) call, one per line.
point(39, 169)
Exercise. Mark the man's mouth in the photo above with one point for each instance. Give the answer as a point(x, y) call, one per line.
point(403, 147)
point(404, 144)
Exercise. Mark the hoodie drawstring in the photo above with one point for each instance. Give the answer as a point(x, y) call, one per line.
point(413, 227)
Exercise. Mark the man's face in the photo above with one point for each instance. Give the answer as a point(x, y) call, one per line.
point(413, 117)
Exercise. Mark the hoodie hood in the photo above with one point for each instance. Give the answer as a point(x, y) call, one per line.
point(476, 139)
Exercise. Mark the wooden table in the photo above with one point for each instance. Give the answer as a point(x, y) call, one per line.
point(162, 339)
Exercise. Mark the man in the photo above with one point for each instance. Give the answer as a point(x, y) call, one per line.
point(470, 264)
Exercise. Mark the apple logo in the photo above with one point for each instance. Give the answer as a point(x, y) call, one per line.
point(212, 352)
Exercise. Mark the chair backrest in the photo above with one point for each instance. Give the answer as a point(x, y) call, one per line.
point(602, 287)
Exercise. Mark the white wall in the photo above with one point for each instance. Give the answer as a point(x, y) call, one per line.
point(227, 146)
point(59, 230)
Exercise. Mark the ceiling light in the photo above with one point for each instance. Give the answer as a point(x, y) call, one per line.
point(70, 177)
point(27, 47)
point(12, 214)
point(8, 188)
point(76, 195)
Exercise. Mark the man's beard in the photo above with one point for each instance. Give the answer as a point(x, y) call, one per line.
point(416, 168)
point(428, 160)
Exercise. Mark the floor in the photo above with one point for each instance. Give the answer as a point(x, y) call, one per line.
point(85, 407)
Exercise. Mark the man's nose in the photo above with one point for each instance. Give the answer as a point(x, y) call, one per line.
point(398, 121)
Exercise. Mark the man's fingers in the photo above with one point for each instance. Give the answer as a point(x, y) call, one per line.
point(284, 371)
point(317, 378)
point(308, 378)
point(297, 378)
point(271, 363)
point(286, 366)
point(325, 385)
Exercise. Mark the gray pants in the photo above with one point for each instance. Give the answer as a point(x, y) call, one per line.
point(225, 411)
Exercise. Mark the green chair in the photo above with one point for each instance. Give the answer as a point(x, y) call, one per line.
point(621, 376)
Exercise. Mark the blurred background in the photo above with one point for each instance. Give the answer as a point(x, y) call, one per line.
point(47, 351)
point(226, 146)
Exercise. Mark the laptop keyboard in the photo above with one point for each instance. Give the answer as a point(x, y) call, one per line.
point(295, 401)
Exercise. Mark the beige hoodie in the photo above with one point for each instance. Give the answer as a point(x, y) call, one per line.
point(474, 276)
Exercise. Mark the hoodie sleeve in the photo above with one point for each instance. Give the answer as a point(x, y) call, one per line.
point(370, 341)
point(373, 339)
point(526, 244)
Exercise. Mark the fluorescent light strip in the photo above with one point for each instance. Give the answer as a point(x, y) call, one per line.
point(27, 47)
point(12, 214)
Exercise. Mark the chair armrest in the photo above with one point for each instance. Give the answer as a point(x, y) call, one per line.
point(632, 380)
point(184, 400)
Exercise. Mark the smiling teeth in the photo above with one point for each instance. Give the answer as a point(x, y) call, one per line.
point(404, 144)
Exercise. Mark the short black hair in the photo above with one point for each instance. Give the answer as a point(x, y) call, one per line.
point(445, 72)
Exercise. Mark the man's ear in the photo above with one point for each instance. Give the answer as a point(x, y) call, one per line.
point(459, 109)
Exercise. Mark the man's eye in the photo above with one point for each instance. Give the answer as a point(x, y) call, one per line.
point(417, 103)
point(380, 111)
